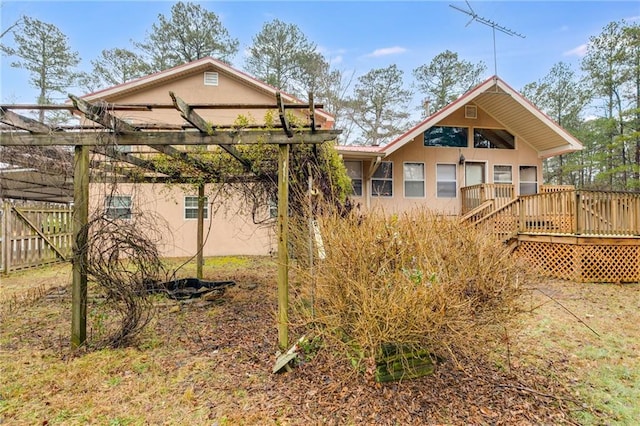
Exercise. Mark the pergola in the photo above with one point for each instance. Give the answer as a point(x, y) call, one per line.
point(36, 170)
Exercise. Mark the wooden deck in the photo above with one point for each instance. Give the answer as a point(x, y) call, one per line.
point(589, 236)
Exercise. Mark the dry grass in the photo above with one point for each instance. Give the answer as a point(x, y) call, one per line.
point(211, 364)
point(417, 281)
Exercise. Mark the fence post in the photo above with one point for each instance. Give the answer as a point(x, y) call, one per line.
point(6, 237)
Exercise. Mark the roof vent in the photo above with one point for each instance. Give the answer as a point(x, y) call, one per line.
point(210, 78)
point(470, 111)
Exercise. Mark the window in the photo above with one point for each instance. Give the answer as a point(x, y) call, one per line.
point(528, 180)
point(123, 148)
point(273, 208)
point(210, 78)
point(354, 171)
point(382, 180)
point(117, 207)
point(493, 138)
point(446, 180)
point(502, 174)
point(191, 207)
point(446, 136)
point(414, 179)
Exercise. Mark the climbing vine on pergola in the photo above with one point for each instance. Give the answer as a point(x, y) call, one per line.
point(191, 163)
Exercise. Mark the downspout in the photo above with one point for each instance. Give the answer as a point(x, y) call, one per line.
point(372, 169)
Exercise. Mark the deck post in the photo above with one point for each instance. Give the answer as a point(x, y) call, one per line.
point(80, 234)
point(576, 220)
point(200, 235)
point(283, 248)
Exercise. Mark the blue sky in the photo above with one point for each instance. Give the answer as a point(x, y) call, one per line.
point(355, 35)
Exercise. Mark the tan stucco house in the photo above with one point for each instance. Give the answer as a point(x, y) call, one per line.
point(200, 83)
point(490, 135)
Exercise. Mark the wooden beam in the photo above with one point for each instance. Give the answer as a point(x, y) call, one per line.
point(283, 246)
point(81, 234)
point(201, 124)
point(231, 137)
point(204, 166)
point(200, 232)
point(312, 113)
point(151, 106)
point(101, 115)
point(125, 157)
point(283, 116)
point(24, 123)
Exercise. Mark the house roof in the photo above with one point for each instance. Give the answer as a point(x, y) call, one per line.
point(504, 104)
point(199, 65)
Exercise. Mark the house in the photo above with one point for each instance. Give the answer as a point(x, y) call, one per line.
point(489, 136)
point(200, 83)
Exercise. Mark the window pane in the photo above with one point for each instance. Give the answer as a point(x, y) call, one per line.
point(414, 171)
point(528, 173)
point(354, 169)
point(493, 138)
point(528, 188)
point(382, 188)
point(447, 189)
point(446, 176)
point(446, 172)
point(502, 174)
point(191, 207)
point(118, 207)
point(414, 189)
point(446, 136)
point(356, 185)
point(384, 171)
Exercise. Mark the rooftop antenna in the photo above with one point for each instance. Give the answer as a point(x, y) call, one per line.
point(494, 26)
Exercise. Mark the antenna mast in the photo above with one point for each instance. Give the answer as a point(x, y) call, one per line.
point(488, 22)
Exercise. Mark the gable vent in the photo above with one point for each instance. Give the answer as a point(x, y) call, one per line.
point(470, 111)
point(210, 78)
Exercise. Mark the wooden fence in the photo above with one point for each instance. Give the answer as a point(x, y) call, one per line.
point(33, 235)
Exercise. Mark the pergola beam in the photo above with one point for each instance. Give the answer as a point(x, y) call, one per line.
point(101, 115)
point(235, 137)
point(22, 122)
point(187, 112)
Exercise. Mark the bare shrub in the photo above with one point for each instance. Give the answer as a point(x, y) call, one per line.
point(123, 261)
point(415, 281)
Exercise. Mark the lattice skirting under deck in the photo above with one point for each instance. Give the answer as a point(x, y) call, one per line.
point(584, 259)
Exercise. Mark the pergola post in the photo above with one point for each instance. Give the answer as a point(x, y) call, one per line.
point(283, 248)
point(200, 235)
point(80, 233)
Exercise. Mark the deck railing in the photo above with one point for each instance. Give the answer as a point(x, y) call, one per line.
point(577, 212)
point(475, 195)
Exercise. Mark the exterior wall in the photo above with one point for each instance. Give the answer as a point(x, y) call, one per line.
point(415, 151)
point(226, 232)
point(191, 89)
